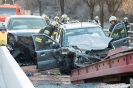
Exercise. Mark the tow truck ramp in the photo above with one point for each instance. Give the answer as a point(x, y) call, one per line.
point(116, 67)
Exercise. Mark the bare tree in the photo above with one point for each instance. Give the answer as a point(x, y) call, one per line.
point(91, 5)
point(113, 6)
point(62, 6)
point(101, 5)
point(127, 7)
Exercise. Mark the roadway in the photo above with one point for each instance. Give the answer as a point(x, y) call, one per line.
point(2, 83)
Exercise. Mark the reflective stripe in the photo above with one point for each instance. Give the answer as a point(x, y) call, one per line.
point(55, 33)
point(38, 39)
point(109, 32)
point(114, 35)
point(122, 31)
point(128, 25)
point(47, 32)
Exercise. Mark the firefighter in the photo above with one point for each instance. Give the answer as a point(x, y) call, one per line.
point(96, 20)
point(51, 29)
point(68, 20)
point(46, 19)
point(113, 21)
point(57, 19)
point(64, 18)
point(127, 25)
point(116, 33)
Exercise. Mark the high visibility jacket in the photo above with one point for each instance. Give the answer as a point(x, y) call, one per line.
point(49, 30)
point(111, 29)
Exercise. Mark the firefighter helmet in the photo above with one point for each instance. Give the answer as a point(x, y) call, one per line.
point(54, 23)
point(56, 17)
point(96, 17)
point(44, 15)
point(112, 18)
point(64, 16)
point(125, 18)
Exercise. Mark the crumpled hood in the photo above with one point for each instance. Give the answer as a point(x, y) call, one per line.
point(89, 42)
point(24, 32)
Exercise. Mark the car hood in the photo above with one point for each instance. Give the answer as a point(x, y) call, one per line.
point(89, 42)
point(24, 32)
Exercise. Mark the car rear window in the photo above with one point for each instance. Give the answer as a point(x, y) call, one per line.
point(26, 23)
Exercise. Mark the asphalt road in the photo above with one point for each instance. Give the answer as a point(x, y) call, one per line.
point(45, 79)
point(89, 85)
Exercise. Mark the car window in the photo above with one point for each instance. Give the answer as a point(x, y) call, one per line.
point(94, 31)
point(8, 11)
point(43, 42)
point(26, 23)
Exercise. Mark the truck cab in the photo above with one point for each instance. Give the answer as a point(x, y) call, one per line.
point(10, 9)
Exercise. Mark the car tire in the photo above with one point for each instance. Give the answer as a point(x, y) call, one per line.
point(65, 67)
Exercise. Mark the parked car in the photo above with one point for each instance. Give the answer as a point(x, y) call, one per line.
point(20, 29)
point(76, 45)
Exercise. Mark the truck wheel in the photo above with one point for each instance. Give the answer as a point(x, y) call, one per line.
point(65, 67)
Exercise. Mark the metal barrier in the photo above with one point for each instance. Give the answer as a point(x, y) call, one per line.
point(13, 75)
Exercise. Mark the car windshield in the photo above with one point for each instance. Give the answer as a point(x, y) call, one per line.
point(8, 11)
point(26, 23)
point(93, 31)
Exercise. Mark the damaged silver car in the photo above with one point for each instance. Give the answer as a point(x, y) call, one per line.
point(77, 45)
point(20, 43)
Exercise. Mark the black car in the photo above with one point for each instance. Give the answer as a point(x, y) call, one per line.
point(77, 45)
point(20, 30)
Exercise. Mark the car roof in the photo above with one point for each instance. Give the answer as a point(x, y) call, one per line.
point(24, 16)
point(79, 25)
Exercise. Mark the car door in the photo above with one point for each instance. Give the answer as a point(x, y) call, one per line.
point(121, 38)
point(44, 52)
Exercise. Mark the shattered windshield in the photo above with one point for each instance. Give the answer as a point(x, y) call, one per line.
point(26, 23)
point(7, 11)
point(92, 31)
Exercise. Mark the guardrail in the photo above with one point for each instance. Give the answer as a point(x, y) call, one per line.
point(13, 75)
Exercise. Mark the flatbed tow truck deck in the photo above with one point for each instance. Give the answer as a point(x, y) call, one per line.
point(116, 67)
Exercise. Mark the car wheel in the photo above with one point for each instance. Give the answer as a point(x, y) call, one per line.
point(65, 67)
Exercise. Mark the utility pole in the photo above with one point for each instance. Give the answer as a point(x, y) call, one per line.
point(40, 6)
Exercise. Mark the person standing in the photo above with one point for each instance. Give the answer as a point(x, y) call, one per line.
point(46, 19)
point(96, 20)
point(113, 21)
point(127, 25)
